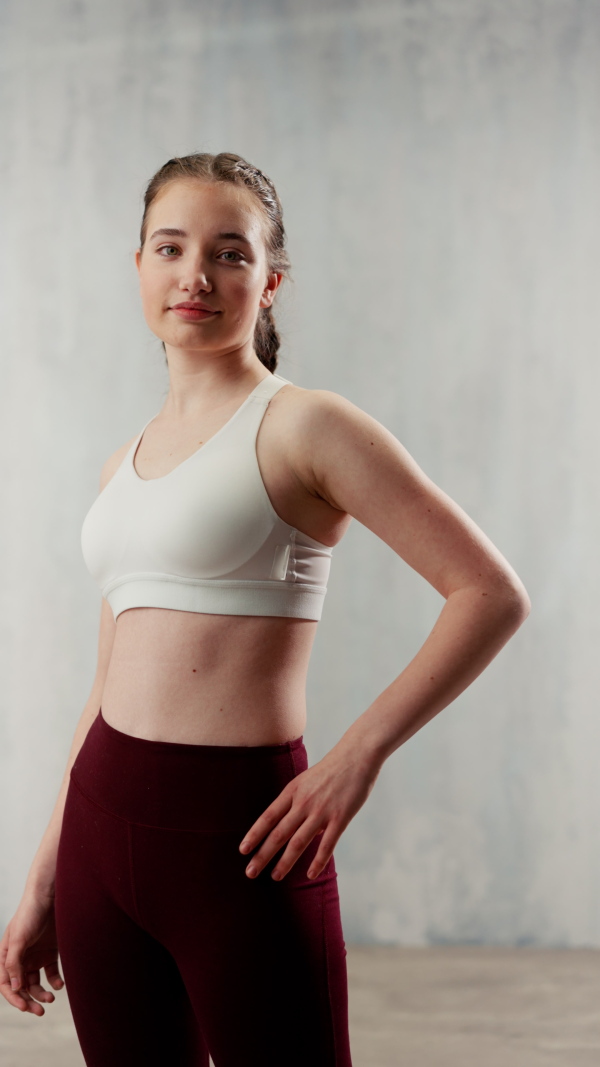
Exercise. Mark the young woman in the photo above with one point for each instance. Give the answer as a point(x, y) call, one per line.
point(187, 873)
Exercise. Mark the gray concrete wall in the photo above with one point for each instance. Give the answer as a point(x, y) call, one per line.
point(439, 164)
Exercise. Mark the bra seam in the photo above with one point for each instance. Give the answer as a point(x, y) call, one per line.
point(294, 554)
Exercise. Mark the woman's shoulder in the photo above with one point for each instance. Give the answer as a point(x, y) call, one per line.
point(314, 410)
point(316, 400)
point(322, 433)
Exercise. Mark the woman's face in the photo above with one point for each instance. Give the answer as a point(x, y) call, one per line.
point(214, 256)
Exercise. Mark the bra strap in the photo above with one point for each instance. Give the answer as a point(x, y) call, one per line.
point(270, 385)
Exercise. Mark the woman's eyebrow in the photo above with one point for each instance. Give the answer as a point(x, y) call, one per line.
point(234, 237)
point(170, 231)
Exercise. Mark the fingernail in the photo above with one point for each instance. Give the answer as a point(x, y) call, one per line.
point(276, 875)
point(311, 874)
point(244, 846)
point(250, 870)
point(15, 983)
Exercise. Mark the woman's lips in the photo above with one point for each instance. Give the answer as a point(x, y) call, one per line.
point(193, 314)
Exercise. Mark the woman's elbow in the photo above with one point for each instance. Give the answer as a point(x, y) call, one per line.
point(514, 603)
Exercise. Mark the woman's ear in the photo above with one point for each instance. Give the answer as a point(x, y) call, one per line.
point(274, 280)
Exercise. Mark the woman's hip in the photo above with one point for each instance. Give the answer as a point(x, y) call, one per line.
point(204, 788)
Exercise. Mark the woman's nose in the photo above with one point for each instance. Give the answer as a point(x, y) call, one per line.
point(195, 276)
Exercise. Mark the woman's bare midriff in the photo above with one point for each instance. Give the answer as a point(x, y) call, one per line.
point(203, 679)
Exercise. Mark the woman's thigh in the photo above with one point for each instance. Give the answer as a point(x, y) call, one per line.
point(264, 962)
point(129, 1003)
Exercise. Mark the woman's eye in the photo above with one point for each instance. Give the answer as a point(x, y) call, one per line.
point(233, 256)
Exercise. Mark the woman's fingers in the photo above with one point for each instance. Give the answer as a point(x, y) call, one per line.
point(26, 997)
point(12, 977)
point(325, 850)
point(35, 987)
point(269, 818)
point(298, 831)
point(11, 995)
point(53, 975)
point(20, 998)
point(274, 842)
point(301, 840)
point(31, 1005)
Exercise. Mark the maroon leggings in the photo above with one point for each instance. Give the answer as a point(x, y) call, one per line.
point(169, 951)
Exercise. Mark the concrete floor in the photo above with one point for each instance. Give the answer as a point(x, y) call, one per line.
point(416, 1007)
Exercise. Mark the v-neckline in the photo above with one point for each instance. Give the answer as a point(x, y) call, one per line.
point(202, 447)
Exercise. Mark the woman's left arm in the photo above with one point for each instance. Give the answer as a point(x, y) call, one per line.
point(352, 461)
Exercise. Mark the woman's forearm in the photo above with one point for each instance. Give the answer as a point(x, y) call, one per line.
point(41, 877)
point(470, 631)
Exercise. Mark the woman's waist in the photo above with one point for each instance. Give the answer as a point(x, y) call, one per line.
point(174, 714)
point(228, 703)
point(215, 684)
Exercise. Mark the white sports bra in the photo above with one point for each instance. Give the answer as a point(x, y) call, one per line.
point(205, 536)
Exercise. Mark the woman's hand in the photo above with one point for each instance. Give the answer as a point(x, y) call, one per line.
point(29, 943)
point(320, 800)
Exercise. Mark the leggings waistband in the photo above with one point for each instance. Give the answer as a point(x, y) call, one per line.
point(201, 788)
point(214, 750)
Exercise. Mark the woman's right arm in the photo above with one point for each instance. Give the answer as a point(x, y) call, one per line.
point(29, 941)
point(40, 880)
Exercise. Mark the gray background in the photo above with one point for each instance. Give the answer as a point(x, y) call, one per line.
point(439, 168)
